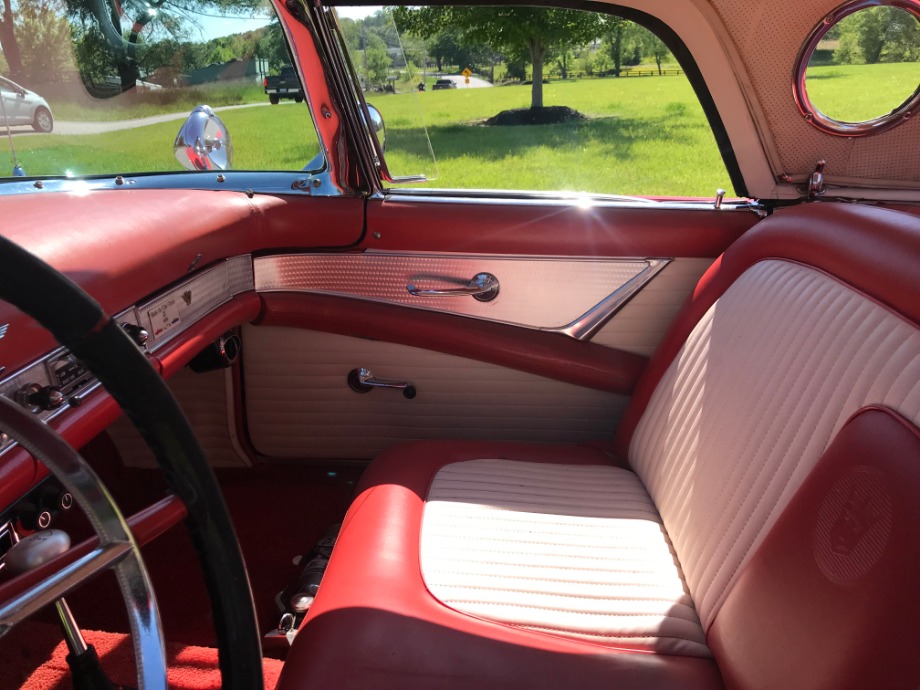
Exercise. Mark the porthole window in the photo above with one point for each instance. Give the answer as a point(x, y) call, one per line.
point(859, 71)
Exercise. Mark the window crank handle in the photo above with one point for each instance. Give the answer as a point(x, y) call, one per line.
point(362, 381)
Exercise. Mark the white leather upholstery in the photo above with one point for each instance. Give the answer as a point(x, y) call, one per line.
point(761, 386)
point(571, 550)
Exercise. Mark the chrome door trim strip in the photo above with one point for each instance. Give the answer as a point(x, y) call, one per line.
point(604, 284)
point(589, 323)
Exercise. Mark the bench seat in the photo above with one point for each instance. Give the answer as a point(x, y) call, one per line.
point(757, 526)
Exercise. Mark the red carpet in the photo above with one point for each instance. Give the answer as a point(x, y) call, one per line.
point(279, 511)
point(32, 658)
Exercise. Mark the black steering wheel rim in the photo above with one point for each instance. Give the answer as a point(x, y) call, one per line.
point(79, 323)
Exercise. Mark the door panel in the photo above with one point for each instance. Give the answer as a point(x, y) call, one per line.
point(641, 324)
point(494, 370)
point(299, 405)
point(549, 293)
point(554, 228)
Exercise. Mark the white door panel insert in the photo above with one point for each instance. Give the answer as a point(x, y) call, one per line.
point(299, 405)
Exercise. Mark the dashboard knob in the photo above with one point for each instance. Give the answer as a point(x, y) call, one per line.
point(42, 397)
point(139, 335)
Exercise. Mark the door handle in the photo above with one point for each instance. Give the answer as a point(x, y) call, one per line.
point(482, 286)
point(363, 381)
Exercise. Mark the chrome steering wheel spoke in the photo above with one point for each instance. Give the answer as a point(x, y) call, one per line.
point(117, 549)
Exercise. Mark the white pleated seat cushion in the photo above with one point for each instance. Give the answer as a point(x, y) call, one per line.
point(571, 550)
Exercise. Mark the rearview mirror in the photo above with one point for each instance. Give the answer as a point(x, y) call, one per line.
point(204, 143)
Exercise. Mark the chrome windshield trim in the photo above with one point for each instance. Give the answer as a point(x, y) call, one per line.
point(288, 182)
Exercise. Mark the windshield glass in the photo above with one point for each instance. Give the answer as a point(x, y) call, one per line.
point(98, 87)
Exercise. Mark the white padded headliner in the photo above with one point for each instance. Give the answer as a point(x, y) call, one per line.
point(570, 550)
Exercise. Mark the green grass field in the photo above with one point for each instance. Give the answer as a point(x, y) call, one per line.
point(853, 93)
point(644, 135)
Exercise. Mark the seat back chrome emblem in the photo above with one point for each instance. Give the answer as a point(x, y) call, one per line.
point(3, 329)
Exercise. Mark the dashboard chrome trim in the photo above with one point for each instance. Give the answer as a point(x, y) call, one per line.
point(40, 372)
point(206, 290)
point(177, 309)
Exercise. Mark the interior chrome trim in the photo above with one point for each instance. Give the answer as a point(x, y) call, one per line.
point(176, 310)
point(39, 372)
point(117, 549)
point(813, 114)
point(537, 198)
point(589, 323)
point(539, 292)
point(60, 583)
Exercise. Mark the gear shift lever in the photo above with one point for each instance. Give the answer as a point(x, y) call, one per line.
point(35, 550)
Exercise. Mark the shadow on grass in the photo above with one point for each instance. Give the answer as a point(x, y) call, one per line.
point(606, 136)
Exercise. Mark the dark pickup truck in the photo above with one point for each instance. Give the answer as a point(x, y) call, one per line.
point(284, 85)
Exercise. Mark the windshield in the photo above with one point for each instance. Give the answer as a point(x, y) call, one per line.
point(106, 86)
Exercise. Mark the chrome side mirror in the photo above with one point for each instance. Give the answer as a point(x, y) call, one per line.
point(204, 143)
point(377, 126)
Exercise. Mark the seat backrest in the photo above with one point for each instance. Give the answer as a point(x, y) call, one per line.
point(806, 321)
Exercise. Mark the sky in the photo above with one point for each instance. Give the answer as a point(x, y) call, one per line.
point(214, 27)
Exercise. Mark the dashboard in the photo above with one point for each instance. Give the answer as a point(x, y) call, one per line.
point(173, 267)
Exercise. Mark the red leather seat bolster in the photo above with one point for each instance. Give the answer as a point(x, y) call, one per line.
point(375, 625)
point(875, 250)
point(830, 599)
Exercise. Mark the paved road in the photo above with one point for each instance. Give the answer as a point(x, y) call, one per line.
point(68, 127)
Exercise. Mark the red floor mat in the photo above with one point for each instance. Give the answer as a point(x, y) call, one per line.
point(278, 512)
point(32, 657)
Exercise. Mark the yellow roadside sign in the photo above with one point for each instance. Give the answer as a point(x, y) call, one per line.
point(466, 72)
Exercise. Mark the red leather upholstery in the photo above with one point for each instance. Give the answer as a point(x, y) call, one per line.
point(788, 624)
point(830, 600)
point(375, 625)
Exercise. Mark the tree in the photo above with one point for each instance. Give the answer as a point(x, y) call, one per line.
point(654, 47)
point(376, 62)
point(534, 31)
point(8, 42)
point(109, 34)
point(43, 41)
point(878, 34)
point(624, 41)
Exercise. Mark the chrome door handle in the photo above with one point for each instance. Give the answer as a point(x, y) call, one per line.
point(483, 287)
point(363, 381)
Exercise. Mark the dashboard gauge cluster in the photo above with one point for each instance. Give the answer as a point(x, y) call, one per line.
point(59, 381)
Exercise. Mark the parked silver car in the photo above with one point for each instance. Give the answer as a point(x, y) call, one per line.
point(24, 107)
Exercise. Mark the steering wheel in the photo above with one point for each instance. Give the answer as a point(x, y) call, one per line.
point(79, 324)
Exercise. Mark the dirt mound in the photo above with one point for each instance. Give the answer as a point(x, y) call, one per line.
point(551, 115)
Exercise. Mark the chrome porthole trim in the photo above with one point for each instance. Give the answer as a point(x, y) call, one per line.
point(830, 125)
